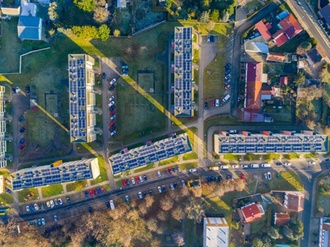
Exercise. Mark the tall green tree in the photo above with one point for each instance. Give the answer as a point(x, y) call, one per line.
point(273, 233)
point(85, 5)
point(104, 32)
point(214, 15)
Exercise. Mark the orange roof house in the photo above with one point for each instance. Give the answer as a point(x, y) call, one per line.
point(281, 219)
point(263, 30)
point(276, 57)
point(251, 212)
point(294, 201)
point(290, 27)
point(280, 38)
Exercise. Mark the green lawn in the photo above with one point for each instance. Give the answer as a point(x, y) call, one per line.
point(232, 157)
point(76, 186)
point(6, 199)
point(196, 76)
point(219, 120)
point(188, 165)
point(257, 226)
point(190, 232)
point(103, 172)
point(250, 157)
point(287, 181)
point(291, 156)
point(52, 190)
point(190, 156)
point(169, 161)
point(145, 168)
point(23, 193)
point(310, 156)
point(271, 156)
point(213, 77)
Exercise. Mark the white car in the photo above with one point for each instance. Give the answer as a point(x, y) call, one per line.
point(287, 163)
point(48, 204)
point(235, 166)
point(192, 170)
point(140, 195)
point(266, 175)
point(311, 162)
point(27, 208)
point(159, 174)
point(245, 166)
point(112, 98)
point(60, 201)
point(141, 179)
point(217, 102)
point(113, 81)
point(269, 176)
point(51, 203)
point(133, 181)
point(159, 189)
point(36, 207)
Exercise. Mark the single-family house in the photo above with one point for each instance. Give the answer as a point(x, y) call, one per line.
point(281, 219)
point(251, 212)
point(325, 13)
point(263, 30)
point(29, 28)
point(288, 28)
point(315, 55)
point(294, 200)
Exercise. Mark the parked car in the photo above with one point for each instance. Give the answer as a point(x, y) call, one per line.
point(217, 102)
point(123, 182)
point(113, 117)
point(243, 176)
point(27, 208)
point(287, 163)
point(163, 188)
point(159, 189)
point(104, 75)
point(113, 81)
point(206, 105)
point(171, 187)
point(145, 177)
point(21, 130)
point(141, 179)
point(86, 194)
point(137, 180)
point(21, 147)
point(113, 133)
point(55, 218)
point(112, 205)
point(127, 198)
point(235, 166)
point(133, 181)
point(51, 203)
point(159, 174)
point(60, 202)
point(192, 170)
point(311, 162)
point(68, 200)
point(90, 209)
point(150, 192)
point(269, 175)
point(140, 195)
point(245, 166)
point(22, 140)
point(107, 204)
point(266, 175)
point(112, 98)
point(43, 222)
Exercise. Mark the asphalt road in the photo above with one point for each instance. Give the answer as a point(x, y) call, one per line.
point(309, 22)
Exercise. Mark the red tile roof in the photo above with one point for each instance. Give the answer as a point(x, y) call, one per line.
point(253, 86)
point(252, 212)
point(284, 80)
point(276, 57)
point(268, 25)
point(294, 201)
point(281, 219)
point(263, 30)
point(290, 26)
point(280, 38)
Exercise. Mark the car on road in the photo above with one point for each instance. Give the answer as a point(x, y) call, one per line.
point(113, 81)
point(269, 175)
point(217, 102)
point(27, 208)
point(159, 189)
point(68, 200)
point(123, 182)
point(55, 218)
point(104, 75)
point(192, 170)
point(133, 181)
point(127, 198)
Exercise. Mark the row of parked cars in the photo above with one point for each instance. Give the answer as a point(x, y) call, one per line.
point(112, 109)
point(45, 205)
point(94, 192)
point(133, 181)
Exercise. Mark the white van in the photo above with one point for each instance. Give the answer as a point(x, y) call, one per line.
point(112, 205)
point(227, 97)
point(254, 165)
point(224, 167)
point(265, 165)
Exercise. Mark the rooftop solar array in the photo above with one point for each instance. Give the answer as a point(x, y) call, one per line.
point(149, 153)
point(3, 144)
point(47, 175)
point(183, 71)
point(81, 81)
point(275, 143)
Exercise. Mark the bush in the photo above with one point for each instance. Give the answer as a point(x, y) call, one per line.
point(86, 32)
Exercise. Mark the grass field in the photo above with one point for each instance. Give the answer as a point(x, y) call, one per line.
point(76, 186)
point(190, 156)
point(146, 81)
point(190, 232)
point(52, 190)
point(287, 181)
point(51, 103)
point(147, 167)
point(213, 78)
point(169, 161)
point(23, 193)
point(291, 156)
point(6, 199)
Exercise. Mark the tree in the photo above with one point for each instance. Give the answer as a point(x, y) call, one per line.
point(86, 32)
point(195, 211)
point(101, 3)
point(300, 78)
point(313, 41)
point(166, 203)
point(178, 239)
point(273, 233)
point(298, 229)
point(101, 14)
point(204, 17)
point(152, 224)
point(257, 242)
point(287, 232)
point(149, 201)
point(104, 32)
point(53, 10)
point(214, 15)
point(177, 213)
point(303, 48)
point(162, 215)
point(206, 4)
point(85, 5)
point(116, 33)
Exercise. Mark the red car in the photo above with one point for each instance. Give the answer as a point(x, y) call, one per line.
point(170, 170)
point(137, 180)
point(95, 192)
point(243, 176)
point(112, 123)
point(213, 103)
point(103, 190)
point(90, 192)
point(123, 182)
point(113, 112)
point(22, 147)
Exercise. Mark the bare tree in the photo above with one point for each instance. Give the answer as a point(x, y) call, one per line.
point(142, 208)
point(166, 203)
point(149, 201)
point(178, 238)
point(161, 215)
point(152, 224)
point(195, 211)
point(177, 213)
point(101, 14)
point(155, 242)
